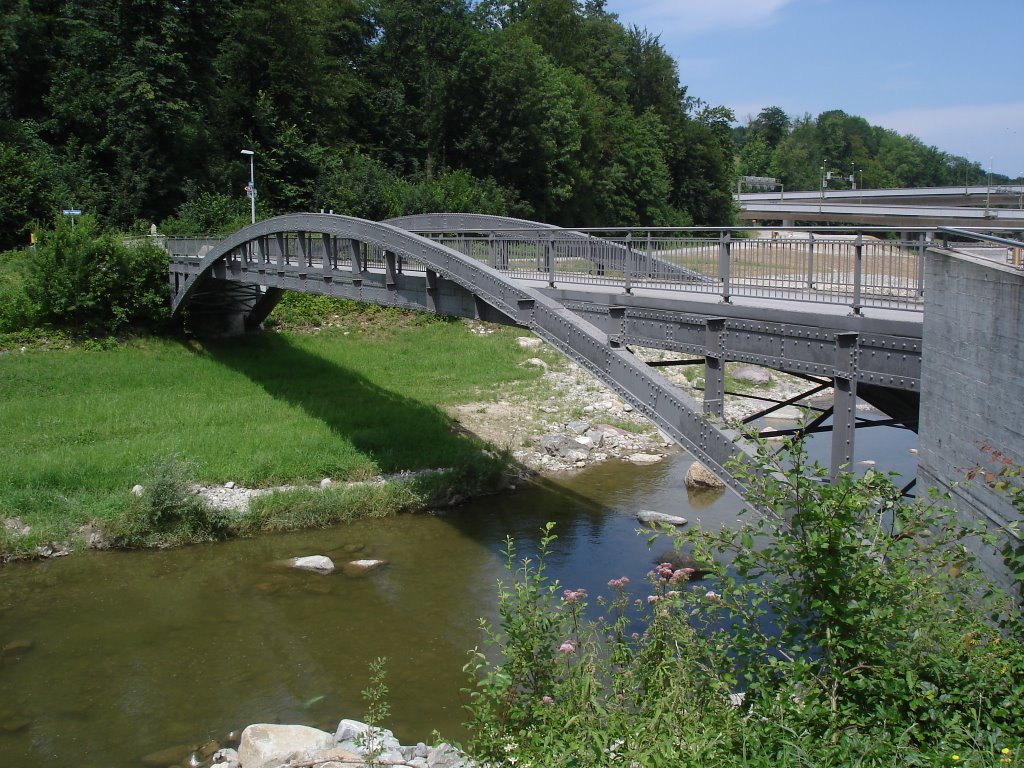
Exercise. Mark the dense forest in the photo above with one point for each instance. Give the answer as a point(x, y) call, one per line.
point(136, 111)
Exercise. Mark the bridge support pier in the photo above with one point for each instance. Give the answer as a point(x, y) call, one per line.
point(714, 367)
point(844, 404)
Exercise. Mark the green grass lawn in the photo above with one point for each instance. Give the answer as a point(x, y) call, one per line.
point(81, 427)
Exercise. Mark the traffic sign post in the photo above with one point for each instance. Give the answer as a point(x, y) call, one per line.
point(72, 212)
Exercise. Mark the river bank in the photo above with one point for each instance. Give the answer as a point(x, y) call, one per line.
point(508, 407)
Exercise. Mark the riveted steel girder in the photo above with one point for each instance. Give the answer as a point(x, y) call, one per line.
point(805, 344)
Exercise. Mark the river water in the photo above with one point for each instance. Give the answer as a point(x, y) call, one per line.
point(135, 652)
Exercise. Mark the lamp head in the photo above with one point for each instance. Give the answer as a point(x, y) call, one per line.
point(248, 152)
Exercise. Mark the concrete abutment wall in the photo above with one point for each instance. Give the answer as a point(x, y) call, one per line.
point(972, 383)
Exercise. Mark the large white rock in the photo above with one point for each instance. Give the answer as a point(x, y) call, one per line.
point(318, 563)
point(650, 516)
point(265, 745)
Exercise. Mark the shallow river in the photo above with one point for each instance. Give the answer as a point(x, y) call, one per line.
point(134, 652)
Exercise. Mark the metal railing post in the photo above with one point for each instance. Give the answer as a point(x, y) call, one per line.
point(921, 249)
point(858, 272)
point(649, 258)
point(492, 256)
point(549, 256)
point(628, 262)
point(724, 266)
point(810, 261)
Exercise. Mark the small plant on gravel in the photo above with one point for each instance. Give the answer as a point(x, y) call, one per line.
point(168, 511)
point(377, 710)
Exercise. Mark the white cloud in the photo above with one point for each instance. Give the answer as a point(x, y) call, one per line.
point(985, 132)
point(681, 17)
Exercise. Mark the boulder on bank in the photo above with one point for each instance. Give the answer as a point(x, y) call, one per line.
point(658, 518)
point(565, 447)
point(354, 736)
point(315, 563)
point(699, 476)
point(265, 745)
point(751, 374)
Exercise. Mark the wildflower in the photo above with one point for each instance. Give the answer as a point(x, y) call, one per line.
point(567, 648)
point(711, 595)
point(635, 636)
point(619, 583)
point(572, 596)
point(652, 599)
point(955, 758)
point(683, 574)
point(547, 700)
point(664, 570)
point(1004, 751)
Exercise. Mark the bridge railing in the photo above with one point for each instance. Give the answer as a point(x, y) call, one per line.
point(854, 269)
point(858, 269)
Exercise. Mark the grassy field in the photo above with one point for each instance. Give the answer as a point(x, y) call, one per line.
point(81, 427)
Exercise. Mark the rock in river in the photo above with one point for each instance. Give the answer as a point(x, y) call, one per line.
point(699, 476)
point(317, 563)
point(650, 516)
point(359, 567)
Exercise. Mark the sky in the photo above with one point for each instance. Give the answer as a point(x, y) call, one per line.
point(950, 72)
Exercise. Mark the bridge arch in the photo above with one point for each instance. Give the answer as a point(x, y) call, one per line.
point(246, 272)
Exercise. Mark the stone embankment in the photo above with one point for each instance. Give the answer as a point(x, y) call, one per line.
point(353, 744)
point(570, 420)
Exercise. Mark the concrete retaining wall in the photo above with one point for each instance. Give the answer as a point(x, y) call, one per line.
point(972, 380)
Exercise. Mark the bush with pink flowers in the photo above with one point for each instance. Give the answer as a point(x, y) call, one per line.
point(842, 625)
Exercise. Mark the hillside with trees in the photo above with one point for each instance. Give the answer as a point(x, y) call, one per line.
point(135, 112)
point(794, 150)
point(543, 108)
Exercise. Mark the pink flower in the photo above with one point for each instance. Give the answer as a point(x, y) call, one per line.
point(652, 599)
point(567, 648)
point(683, 574)
point(711, 595)
point(547, 700)
point(664, 570)
point(571, 596)
point(619, 583)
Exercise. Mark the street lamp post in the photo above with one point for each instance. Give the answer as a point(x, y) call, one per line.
point(251, 189)
point(988, 187)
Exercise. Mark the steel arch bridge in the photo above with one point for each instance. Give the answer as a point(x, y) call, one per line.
point(838, 310)
point(234, 284)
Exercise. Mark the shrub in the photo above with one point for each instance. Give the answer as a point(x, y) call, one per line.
point(208, 214)
point(17, 311)
point(169, 511)
point(95, 282)
point(850, 618)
